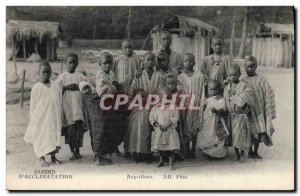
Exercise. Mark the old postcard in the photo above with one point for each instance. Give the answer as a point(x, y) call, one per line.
point(150, 98)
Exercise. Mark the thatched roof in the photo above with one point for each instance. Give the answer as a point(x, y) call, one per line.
point(274, 28)
point(26, 29)
point(186, 26)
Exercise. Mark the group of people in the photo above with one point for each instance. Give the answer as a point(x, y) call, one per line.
point(232, 111)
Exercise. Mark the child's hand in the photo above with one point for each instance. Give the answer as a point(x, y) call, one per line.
point(138, 73)
point(224, 83)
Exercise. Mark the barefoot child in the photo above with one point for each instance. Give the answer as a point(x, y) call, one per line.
point(72, 105)
point(140, 131)
point(211, 138)
point(163, 117)
point(237, 96)
point(192, 83)
point(263, 110)
point(110, 134)
point(44, 128)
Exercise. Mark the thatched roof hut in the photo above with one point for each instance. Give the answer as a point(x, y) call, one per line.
point(188, 35)
point(273, 45)
point(35, 37)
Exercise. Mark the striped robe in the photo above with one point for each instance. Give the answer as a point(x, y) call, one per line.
point(263, 108)
point(150, 86)
point(238, 123)
point(193, 85)
point(124, 69)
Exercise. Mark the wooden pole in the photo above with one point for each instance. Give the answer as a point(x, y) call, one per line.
point(48, 50)
point(52, 47)
point(244, 33)
point(14, 54)
point(24, 49)
point(36, 49)
point(232, 37)
point(129, 23)
point(22, 88)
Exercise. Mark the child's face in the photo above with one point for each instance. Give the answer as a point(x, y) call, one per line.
point(250, 68)
point(212, 89)
point(188, 61)
point(234, 75)
point(171, 84)
point(217, 46)
point(72, 64)
point(45, 74)
point(166, 40)
point(127, 48)
point(86, 89)
point(149, 61)
point(163, 62)
point(106, 63)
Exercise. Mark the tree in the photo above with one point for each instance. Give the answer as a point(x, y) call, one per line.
point(244, 33)
point(232, 37)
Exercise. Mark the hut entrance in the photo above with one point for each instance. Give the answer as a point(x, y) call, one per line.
point(33, 40)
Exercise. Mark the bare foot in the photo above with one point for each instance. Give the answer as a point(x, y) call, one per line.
point(78, 156)
point(73, 157)
point(242, 158)
point(160, 164)
point(55, 160)
point(236, 159)
point(257, 156)
point(43, 163)
point(172, 167)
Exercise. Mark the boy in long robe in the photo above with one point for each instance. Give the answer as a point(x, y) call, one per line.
point(191, 82)
point(73, 121)
point(216, 66)
point(175, 59)
point(263, 108)
point(111, 120)
point(237, 96)
point(44, 128)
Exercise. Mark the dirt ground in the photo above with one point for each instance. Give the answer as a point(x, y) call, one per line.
point(274, 171)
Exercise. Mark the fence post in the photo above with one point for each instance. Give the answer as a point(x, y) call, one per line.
point(22, 88)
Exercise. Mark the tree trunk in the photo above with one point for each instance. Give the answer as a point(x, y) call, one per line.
point(244, 34)
point(232, 37)
point(129, 24)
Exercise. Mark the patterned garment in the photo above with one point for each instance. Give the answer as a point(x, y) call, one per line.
point(263, 108)
point(104, 83)
point(150, 86)
point(193, 85)
point(211, 138)
point(175, 58)
point(45, 124)
point(71, 100)
point(217, 70)
point(125, 69)
point(169, 140)
point(235, 98)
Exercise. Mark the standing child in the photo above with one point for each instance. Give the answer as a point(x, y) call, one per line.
point(163, 117)
point(263, 109)
point(140, 131)
point(72, 105)
point(237, 96)
point(216, 66)
point(111, 132)
point(211, 138)
point(192, 83)
point(126, 65)
point(163, 65)
point(43, 130)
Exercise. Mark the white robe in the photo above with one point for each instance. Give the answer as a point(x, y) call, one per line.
point(44, 128)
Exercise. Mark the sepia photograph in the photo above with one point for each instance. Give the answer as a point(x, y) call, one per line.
point(150, 98)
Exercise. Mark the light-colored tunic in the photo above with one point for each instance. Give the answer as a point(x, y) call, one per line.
point(44, 128)
point(193, 86)
point(263, 108)
point(169, 140)
point(104, 83)
point(71, 100)
point(235, 99)
point(211, 70)
point(125, 69)
point(211, 138)
point(150, 86)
